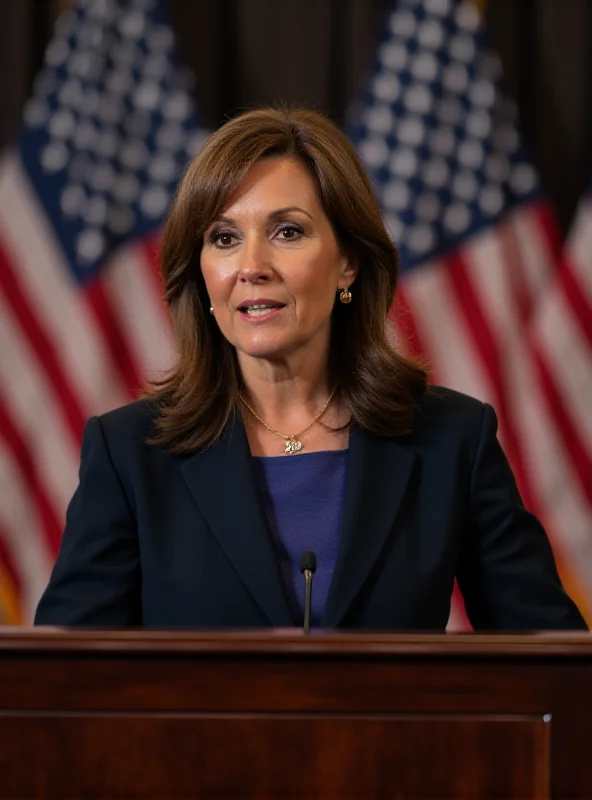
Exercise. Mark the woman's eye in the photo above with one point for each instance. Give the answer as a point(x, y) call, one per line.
point(290, 233)
point(222, 238)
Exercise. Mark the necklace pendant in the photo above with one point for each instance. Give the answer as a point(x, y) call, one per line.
point(293, 445)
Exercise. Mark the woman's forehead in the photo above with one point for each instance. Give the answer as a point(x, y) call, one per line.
point(273, 183)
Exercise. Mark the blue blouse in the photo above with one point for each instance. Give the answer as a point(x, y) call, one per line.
point(303, 498)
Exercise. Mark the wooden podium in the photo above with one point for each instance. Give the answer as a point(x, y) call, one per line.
point(144, 714)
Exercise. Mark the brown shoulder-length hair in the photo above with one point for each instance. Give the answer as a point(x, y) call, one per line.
point(378, 385)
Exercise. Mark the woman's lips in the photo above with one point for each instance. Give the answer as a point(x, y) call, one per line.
point(260, 312)
point(260, 309)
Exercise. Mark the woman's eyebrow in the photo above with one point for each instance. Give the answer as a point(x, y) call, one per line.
point(280, 212)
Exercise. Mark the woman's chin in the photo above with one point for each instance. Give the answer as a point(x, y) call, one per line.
point(281, 348)
point(267, 351)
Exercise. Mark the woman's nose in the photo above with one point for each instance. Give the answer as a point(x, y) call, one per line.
point(254, 261)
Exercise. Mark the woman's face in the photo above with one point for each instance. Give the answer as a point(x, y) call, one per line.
point(272, 265)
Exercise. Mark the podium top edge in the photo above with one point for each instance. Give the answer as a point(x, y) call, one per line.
point(292, 642)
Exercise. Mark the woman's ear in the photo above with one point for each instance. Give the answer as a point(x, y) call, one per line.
point(349, 272)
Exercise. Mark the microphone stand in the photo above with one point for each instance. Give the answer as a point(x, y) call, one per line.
point(307, 599)
point(308, 567)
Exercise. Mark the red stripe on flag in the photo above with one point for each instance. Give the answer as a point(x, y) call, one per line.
point(576, 299)
point(151, 249)
point(483, 338)
point(24, 459)
point(512, 265)
point(113, 336)
point(574, 294)
point(571, 439)
point(402, 316)
point(547, 222)
point(42, 346)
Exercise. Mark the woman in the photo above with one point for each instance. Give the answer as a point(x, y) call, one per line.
point(290, 424)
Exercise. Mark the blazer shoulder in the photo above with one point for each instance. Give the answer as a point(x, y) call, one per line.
point(440, 400)
point(445, 412)
point(132, 422)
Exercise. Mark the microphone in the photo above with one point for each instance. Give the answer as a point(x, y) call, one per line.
point(308, 567)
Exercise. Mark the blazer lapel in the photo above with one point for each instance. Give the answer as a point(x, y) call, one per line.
point(222, 483)
point(378, 472)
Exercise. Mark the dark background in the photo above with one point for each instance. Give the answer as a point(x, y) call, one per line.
point(317, 52)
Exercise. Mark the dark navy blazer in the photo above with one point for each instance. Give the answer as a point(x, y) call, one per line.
point(160, 540)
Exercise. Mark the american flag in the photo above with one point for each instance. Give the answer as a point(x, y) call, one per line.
point(485, 295)
point(106, 136)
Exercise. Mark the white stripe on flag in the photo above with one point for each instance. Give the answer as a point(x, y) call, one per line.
point(579, 248)
point(580, 235)
point(537, 263)
point(54, 296)
point(31, 403)
point(140, 310)
point(569, 358)
point(24, 536)
point(457, 621)
point(450, 349)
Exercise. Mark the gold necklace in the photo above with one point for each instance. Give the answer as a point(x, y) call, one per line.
point(293, 442)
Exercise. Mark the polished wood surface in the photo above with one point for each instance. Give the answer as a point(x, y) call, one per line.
point(148, 714)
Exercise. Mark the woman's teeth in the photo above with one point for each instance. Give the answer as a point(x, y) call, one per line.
point(257, 311)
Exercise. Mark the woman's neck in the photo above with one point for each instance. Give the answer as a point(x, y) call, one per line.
point(288, 401)
point(286, 394)
point(308, 427)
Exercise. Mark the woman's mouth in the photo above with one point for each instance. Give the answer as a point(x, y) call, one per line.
point(260, 310)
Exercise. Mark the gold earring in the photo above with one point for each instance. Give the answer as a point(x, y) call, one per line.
point(211, 309)
point(345, 296)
